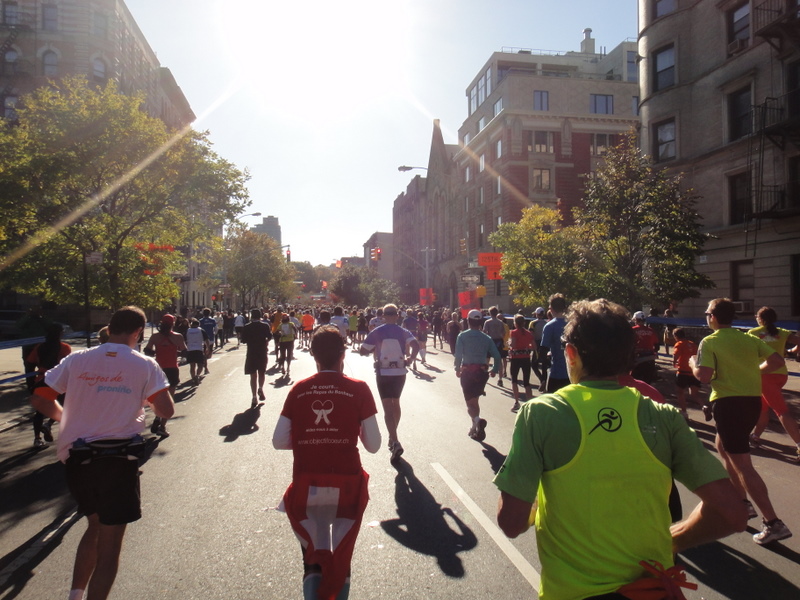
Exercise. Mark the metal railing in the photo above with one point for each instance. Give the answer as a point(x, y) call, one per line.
point(771, 11)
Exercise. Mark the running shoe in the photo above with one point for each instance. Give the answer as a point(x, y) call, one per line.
point(261, 395)
point(772, 532)
point(397, 452)
point(708, 412)
point(162, 432)
point(751, 511)
point(515, 408)
point(37, 443)
point(755, 441)
point(253, 402)
point(155, 426)
point(480, 432)
point(47, 432)
point(796, 457)
point(500, 382)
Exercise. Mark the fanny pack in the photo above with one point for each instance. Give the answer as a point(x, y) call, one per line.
point(84, 452)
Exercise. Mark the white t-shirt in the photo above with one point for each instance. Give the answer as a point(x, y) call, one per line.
point(342, 322)
point(106, 390)
point(194, 338)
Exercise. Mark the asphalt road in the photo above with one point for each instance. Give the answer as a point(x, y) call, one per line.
point(210, 529)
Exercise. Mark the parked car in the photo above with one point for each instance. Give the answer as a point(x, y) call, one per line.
point(8, 324)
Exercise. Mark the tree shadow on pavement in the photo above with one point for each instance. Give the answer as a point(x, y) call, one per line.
point(425, 526)
point(243, 423)
point(735, 575)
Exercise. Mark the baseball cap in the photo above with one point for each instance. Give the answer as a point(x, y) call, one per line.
point(539, 311)
point(168, 319)
point(474, 314)
point(638, 316)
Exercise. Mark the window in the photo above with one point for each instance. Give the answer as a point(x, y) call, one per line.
point(743, 282)
point(50, 63)
point(473, 99)
point(498, 106)
point(100, 26)
point(480, 196)
point(739, 114)
point(600, 141)
point(99, 70)
point(10, 13)
point(481, 89)
point(663, 7)
point(543, 141)
point(739, 24)
point(10, 62)
point(466, 203)
point(664, 68)
point(488, 81)
point(498, 222)
point(499, 149)
point(601, 104)
point(635, 106)
point(481, 231)
point(467, 138)
point(541, 100)
point(466, 174)
point(49, 17)
point(481, 124)
point(633, 67)
point(9, 108)
point(664, 140)
point(499, 187)
point(541, 179)
point(482, 162)
point(739, 198)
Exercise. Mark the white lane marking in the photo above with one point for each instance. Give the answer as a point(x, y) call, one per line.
point(525, 568)
point(231, 373)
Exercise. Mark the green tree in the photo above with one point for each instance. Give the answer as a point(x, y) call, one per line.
point(362, 286)
point(87, 170)
point(639, 232)
point(540, 257)
point(254, 266)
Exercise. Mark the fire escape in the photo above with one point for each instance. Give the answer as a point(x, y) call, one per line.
point(776, 121)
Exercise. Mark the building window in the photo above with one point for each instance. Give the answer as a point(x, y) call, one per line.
point(541, 100)
point(50, 64)
point(739, 198)
point(466, 204)
point(467, 138)
point(49, 17)
point(635, 106)
point(600, 142)
point(499, 187)
point(480, 196)
point(473, 99)
point(99, 70)
point(543, 141)
point(466, 174)
point(743, 283)
point(10, 62)
point(664, 68)
point(481, 231)
point(481, 89)
point(10, 108)
point(481, 124)
point(498, 106)
point(488, 81)
point(601, 104)
point(663, 7)
point(633, 67)
point(499, 148)
point(10, 13)
point(739, 114)
point(664, 140)
point(739, 26)
point(541, 179)
point(482, 163)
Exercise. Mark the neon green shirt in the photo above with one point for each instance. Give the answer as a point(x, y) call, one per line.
point(776, 342)
point(735, 357)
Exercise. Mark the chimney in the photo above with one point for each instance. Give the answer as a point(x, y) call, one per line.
point(587, 43)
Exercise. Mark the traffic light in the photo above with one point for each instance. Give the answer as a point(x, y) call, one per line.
point(377, 253)
point(373, 254)
point(462, 245)
point(288, 256)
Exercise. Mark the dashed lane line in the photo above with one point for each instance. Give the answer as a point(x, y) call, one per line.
point(525, 568)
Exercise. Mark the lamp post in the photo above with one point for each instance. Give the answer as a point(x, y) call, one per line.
point(404, 168)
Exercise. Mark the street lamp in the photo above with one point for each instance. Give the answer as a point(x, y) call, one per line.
point(404, 168)
point(255, 214)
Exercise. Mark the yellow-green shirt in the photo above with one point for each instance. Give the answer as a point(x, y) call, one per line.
point(776, 342)
point(735, 357)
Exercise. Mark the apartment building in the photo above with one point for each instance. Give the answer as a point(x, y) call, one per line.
point(720, 103)
point(41, 40)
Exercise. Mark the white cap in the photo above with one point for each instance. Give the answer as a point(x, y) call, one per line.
point(638, 316)
point(539, 311)
point(475, 314)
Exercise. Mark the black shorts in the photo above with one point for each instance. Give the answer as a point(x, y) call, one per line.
point(473, 381)
point(253, 363)
point(108, 487)
point(173, 375)
point(390, 386)
point(735, 417)
point(686, 380)
point(195, 357)
point(525, 365)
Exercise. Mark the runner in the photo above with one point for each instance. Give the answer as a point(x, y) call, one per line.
point(197, 345)
point(165, 344)
point(522, 344)
point(496, 329)
point(287, 333)
point(256, 334)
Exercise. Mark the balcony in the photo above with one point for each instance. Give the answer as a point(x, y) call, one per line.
point(778, 21)
point(775, 201)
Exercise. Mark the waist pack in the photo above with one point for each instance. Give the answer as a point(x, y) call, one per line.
point(126, 448)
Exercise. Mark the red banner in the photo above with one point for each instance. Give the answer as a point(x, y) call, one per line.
point(467, 301)
point(426, 296)
point(490, 259)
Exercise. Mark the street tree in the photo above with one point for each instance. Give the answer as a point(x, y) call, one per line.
point(362, 286)
point(639, 231)
point(85, 170)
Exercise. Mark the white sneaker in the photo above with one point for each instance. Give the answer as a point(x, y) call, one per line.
point(772, 533)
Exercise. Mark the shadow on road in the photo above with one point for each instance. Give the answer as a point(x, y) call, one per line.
point(425, 526)
point(735, 575)
point(495, 458)
point(243, 423)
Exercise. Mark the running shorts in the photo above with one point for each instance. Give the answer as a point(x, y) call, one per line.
point(735, 417)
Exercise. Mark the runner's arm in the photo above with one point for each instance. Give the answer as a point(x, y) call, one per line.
point(370, 434)
point(162, 404)
point(719, 514)
point(514, 516)
point(282, 436)
point(773, 363)
point(45, 400)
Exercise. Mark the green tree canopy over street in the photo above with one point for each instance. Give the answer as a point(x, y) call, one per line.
point(634, 240)
point(362, 286)
point(85, 169)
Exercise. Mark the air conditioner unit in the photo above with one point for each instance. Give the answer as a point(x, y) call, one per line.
point(737, 46)
point(743, 306)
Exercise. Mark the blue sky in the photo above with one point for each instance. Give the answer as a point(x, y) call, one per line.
point(322, 101)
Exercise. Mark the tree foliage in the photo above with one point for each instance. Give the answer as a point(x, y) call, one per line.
point(86, 170)
point(634, 240)
point(362, 286)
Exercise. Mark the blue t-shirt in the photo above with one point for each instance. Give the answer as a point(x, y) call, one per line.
point(209, 325)
point(551, 338)
point(389, 341)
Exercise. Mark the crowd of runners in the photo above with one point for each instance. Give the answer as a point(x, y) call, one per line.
point(578, 351)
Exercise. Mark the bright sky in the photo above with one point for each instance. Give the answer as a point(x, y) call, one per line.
point(322, 100)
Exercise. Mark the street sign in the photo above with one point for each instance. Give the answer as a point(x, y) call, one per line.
point(94, 258)
point(470, 278)
point(490, 259)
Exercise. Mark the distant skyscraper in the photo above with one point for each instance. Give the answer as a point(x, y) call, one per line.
point(270, 227)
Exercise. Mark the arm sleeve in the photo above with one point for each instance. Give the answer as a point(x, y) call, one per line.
point(282, 436)
point(370, 434)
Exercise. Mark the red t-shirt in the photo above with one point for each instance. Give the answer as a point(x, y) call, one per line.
point(521, 342)
point(326, 411)
point(646, 340)
point(683, 351)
